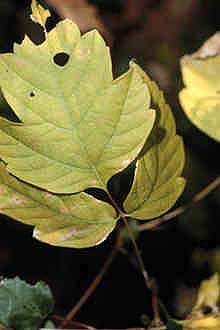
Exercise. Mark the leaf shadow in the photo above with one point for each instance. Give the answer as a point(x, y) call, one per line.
point(120, 184)
point(156, 136)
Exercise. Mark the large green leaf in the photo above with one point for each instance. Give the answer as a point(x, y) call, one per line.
point(157, 183)
point(200, 98)
point(79, 126)
point(24, 306)
point(65, 220)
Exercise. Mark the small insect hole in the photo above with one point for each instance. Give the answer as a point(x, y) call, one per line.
point(207, 310)
point(61, 59)
point(32, 94)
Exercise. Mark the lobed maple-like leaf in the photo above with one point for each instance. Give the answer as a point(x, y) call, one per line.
point(78, 128)
point(79, 125)
point(157, 182)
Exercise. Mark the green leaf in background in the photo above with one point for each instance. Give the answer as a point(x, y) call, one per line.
point(200, 98)
point(65, 220)
point(79, 126)
point(158, 182)
point(23, 306)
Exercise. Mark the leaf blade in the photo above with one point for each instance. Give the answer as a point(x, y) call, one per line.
point(200, 97)
point(70, 221)
point(157, 183)
point(63, 106)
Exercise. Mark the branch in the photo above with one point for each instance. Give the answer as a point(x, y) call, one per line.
point(173, 214)
point(97, 280)
point(149, 282)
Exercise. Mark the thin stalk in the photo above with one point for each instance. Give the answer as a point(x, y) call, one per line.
point(156, 305)
point(136, 249)
point(97, 280)
point(150, 283)
point(163, 309)
point(173, 214)
point(163, 327)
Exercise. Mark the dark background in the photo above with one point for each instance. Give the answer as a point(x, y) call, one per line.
point(179, 255)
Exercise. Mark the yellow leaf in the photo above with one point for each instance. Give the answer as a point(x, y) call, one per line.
point(200, 98)
point(208, 294)
point(205, 323)
point(157, 182)
point(39, 14)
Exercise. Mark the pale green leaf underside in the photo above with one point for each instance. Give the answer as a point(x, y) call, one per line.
point(79, 126)
point(157, 182)
point(200, 98)
point(63, 220)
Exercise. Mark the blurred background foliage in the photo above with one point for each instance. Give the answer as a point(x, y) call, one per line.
point(156, 33)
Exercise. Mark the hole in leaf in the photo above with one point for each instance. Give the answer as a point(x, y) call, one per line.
point(61, 59)
point(32, 94)
point(207, 310)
